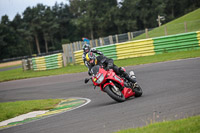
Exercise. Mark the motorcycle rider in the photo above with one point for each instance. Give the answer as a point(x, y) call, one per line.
point(86, 49)
point(107, 63)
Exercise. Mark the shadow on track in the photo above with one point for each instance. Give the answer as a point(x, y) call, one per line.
point(110, 103)
point(104, 104)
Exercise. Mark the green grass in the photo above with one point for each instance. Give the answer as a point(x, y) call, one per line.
point(19, 74)
point(12, 109)
point(187, 125)
point(159, 58)
point(176, 26)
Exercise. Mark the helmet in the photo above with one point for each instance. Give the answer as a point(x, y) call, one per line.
point(86, 48)
point(91, 58)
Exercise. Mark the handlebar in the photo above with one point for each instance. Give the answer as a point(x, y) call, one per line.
point(87, 80)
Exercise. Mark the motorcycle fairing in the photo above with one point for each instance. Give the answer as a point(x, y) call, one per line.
point(128, 92)
point(106, 84)
point(111, 76)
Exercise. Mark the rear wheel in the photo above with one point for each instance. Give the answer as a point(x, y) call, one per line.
point(138, 91)
point(114, 94)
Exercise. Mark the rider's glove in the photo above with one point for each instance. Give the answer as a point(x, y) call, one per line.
point(107, 68)
point(110, 65)
point(89, 73)
point(100, 53)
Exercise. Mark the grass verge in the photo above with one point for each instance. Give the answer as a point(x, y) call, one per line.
point(12, 109)
point(176, 26)
point(19, 74)
point(159, 58)
point(187, 125)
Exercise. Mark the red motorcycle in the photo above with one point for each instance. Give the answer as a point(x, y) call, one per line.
point(118, 88)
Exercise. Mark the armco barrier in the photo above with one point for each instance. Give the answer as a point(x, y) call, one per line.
point(177, 42)
point(78, 57)
point(109, 51)
point(47, 62)
point(137, 48)
point(198, 36)
point(146, 47)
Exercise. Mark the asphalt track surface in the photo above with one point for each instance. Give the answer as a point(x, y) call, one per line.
point(171, 91)
point(9, 68)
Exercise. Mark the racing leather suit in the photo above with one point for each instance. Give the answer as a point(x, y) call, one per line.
point(84, 56)
point(108, 63)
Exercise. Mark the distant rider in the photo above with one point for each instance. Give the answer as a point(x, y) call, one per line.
point(86, 49)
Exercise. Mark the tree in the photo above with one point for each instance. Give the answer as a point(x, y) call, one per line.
point(33, 17)
point(11, 44)
point(44, 29)
point(94, 18)
point(46, 24)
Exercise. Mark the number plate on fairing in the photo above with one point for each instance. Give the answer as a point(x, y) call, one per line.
point(98, 75)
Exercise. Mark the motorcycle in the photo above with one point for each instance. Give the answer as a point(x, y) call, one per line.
point(117, 87)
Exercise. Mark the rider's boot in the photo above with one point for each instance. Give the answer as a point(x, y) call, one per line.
point(126, 76)
point(132, 80)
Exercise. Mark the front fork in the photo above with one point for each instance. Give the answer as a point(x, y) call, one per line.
point(109, 83)
point(116, 88)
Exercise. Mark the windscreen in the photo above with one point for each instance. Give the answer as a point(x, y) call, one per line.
point(95, 69)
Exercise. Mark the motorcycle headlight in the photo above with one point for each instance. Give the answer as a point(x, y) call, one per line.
point(101, 78)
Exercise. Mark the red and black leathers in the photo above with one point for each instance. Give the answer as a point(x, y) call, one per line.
point(84, 56)
point(108, 63)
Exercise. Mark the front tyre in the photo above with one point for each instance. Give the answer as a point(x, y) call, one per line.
point(116, 95)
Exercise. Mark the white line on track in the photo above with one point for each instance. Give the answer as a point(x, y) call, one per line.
point(87, 101)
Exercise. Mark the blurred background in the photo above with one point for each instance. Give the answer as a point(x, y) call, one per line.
point(41, 28)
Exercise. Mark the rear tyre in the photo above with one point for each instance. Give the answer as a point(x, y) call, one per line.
point(138, 91)
point(117, 96)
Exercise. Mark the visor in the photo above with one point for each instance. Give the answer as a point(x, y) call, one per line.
point(91, 61)
point(86, 50)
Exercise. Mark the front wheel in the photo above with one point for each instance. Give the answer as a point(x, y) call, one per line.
point(114, 94)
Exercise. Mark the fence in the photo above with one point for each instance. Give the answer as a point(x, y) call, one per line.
point(146, 47)
point(27, 64)
point(30, 56)
point(101, 43)
point(171, 29)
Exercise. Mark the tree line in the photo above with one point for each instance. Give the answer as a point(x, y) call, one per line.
point(42, 29)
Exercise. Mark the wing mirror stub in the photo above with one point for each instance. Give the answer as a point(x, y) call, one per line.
point(87, 80)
